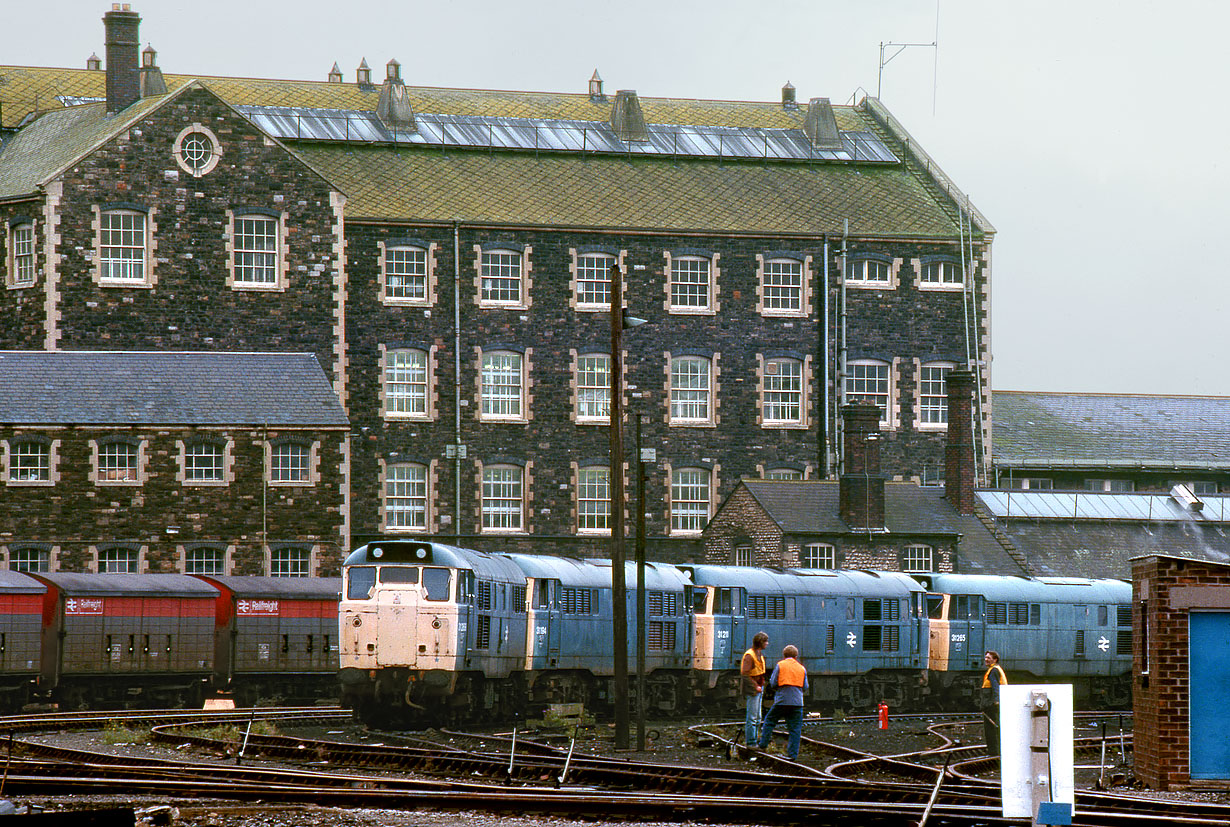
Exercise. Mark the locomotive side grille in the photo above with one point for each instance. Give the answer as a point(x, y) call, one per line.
point(660, 635)
point(891, 639)
point(1079, 647)
point(1125, 616)
point(872, 610)
point(997, 612)
point(518, 599)
point(484, 596)
point(1123, 643)
point(482, 635)
point(777, 607)
point(872, 637)
point(829, 641)
point(577, 601)
point(892, 609)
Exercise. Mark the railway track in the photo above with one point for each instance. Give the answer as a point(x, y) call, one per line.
point(488, 773)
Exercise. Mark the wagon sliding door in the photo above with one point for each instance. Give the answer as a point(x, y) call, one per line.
point(1209, 679)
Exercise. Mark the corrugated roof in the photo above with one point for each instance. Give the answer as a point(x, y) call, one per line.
point(1098, 505)
point(813, 507)
point(146, 388)
point(1074, 430)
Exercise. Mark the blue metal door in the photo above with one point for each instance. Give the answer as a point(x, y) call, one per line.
point(1209, 679)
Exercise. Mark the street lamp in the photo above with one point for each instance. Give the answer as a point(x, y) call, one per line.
point(619, 592)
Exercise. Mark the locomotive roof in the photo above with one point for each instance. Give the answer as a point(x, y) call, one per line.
point(427, 553)
point(853, 582)
point(14, 582)
point(122, 585)
point(1033, 589)
point(572, 571)
point(280, 587)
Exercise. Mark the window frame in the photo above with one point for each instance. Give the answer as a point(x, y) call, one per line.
point(706, 395)
point(274, 469)
point(674, 287)
point(386, 249)
point(278, 219)
point(102, 451)
point(224, 466)
point(580, 275)
point(944, 265)
point(387, 496)
point(1108, 485)
point(914, 554)
point(389, 354)
point(599, 515)
point(766, 266)
point(770, 376)
point(485, 413)
point(581, 389)
point(483, 275)
point(180, 153)
point(921, 406)
point(784, 474)
point(514, 498)
point(887, 416)
point(858, 266)
point(17, 265)
point(679, 521)
point(103, 214)
point(107, 555)
point(291, 560)
point(43, 557)
point(11, 455)
point(216, 551)
point(813, 555)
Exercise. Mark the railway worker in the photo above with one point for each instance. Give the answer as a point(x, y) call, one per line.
point(753, 672)
point(789, 680)
point(992, 680)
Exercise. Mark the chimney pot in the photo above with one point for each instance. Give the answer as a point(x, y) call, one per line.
point(788, 98)
point(595, 87)
point(363, 75)
point(335, 74)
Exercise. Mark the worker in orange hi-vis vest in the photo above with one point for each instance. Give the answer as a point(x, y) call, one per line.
point(992, 680)
point(789, 679)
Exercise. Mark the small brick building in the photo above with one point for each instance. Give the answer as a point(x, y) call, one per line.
point(209, 463)
point(1181, 668)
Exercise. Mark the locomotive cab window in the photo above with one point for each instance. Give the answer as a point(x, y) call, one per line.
point(699, 600)
point(436, 583)
point(360, 580)
point(542, 592)
point(399, 574)
point(935, 607)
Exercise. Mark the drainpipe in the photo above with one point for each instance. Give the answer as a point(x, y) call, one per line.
point(826, 447)
point(841, 360)
point(457, 379)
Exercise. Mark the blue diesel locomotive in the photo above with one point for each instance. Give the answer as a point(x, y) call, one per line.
point(432, 633)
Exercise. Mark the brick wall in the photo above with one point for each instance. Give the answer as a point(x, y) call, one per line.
point(1160, 697)
point(75, 513)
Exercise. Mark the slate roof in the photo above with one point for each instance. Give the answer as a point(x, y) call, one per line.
point(1082, 430)
point(559, 189)
point(145, 388)
point(1087, 549)
point(813, 507)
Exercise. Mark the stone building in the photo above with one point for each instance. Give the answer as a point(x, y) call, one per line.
point(214, 463)
point(447, 255)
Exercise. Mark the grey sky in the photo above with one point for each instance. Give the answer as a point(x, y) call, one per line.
point(1091, 133)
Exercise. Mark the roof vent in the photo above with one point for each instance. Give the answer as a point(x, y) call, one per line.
point(394, 108)
point(788, 100)
point(595, 88)
point(93, 63)
point(335, 74)
point(152, 82)
point(1186, 497)
point(821, 125)
point(626, 117)
point(363, 75)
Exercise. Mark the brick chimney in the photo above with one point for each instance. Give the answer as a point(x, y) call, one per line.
point(959, 450)
point(862, 484)
point(123, 71)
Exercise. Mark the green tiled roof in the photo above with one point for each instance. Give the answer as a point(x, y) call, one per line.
point(518, 187)
point(1075, 430)
point(569, 190)
point(25, 88)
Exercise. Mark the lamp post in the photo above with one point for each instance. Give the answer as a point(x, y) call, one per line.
point(619, 591)
point(640, 588)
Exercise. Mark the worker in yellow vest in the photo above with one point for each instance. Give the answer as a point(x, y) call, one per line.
point(992, 680)
point(789, 680)
point(753, 672)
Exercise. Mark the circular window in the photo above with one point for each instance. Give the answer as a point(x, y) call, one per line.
point(197, 150)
